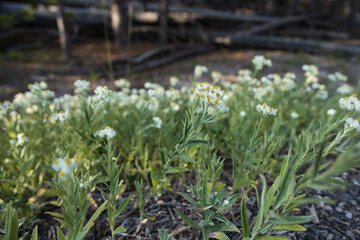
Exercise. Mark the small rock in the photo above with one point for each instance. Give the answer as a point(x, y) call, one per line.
point(353, 202)
point(338, 209)
point(328, 208)
point(348, 215)
point(350, 234)
point(330, 236)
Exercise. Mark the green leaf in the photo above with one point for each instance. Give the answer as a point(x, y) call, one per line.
point(60, 234)
point(260, 215)
point(195, 142)
point(189, 199)
point(177, 170)
point(11, 223)
point(244, 220)
point(289, 220)
point(122, 206)
point(295, 227)
point(119, 229)
point(187, 219)
point(91, 221)
point(34, 235)
point(219, 235)
point(184, 157)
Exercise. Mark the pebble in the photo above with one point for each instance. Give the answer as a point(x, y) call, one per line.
point(338, 209)
point(330, 236)
point(348, 215)
point(328, 208)
point(350, 234)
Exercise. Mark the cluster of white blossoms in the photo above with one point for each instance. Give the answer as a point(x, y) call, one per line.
point(338, 76)
point(353, 123)
point(260, 61)
point(157, 121)
point(294, 115)
point(37, 87)
point(212, 95)
point(81, 86)
point(6, 106)
point(266, 110)
point(65, 166)
point(122, 83)
point(215, 76)
point(199, 71)
point(174, 81)
point(61, 116)
point(345, 89)
point(21, 140)
point(310, 70)
point(172, 93)
point(350, 103)
point(244, 75)
point(103, 93)
point(331, 112)
point(107, 132)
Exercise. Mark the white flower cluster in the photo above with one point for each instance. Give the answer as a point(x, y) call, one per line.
point(65, 166)
point(174, 81)
point(6, 106)
point(345, 89)
point(152, 93)
point(81, 86)
point(266, 110)
point(338, 76)
point(24, 99)
point(353, 123)
point(212, 95)
point(350, 103)
point(172, 93)
point(157, 121)
point(260, 92)
point(61, 116)
point(216, 76)
point(122, 83)
point(21, 140)
point(199, 71)
point(107, 132)
point(310, 70)
point(294, 115)
point(244, 75)
point(260, 61)
point(38, 87)
point(331, 112)
point(103, 93)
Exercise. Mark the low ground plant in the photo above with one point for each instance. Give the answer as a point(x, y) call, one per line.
point(281, 135)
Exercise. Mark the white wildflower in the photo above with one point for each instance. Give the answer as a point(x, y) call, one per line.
point(260, 61)
point(152, 93)
point(216, 76)
point(345, 89)
point(294, 115)
point(222, 108)
point(107, 132)
point(353, 123)
point(122, 83)
point(81, 86)
point(65, 166)
point(157, 121)
point(61, 116)
point(331, 112)
point(21, 139)
point(103, 93)
point(310, 69)
point(173, 81)
point(266, 110)
point(199, 71)
point(243, 113)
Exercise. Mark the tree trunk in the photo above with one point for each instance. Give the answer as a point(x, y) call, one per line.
point(119, 21)
point(63, 33)
point(163, 26)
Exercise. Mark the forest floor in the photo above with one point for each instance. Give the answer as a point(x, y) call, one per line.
point(340, 220)
point(19, 68)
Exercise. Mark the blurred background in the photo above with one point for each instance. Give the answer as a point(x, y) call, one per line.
point(60, 41)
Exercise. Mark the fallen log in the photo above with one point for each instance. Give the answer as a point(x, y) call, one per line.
point(292, 44)
point(150, 64)
point(283, 21)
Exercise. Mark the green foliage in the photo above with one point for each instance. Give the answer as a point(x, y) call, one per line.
point(61, 148)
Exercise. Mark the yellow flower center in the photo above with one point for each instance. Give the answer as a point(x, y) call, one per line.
point(107, 127)
point(62, 174)
point(68, 161)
